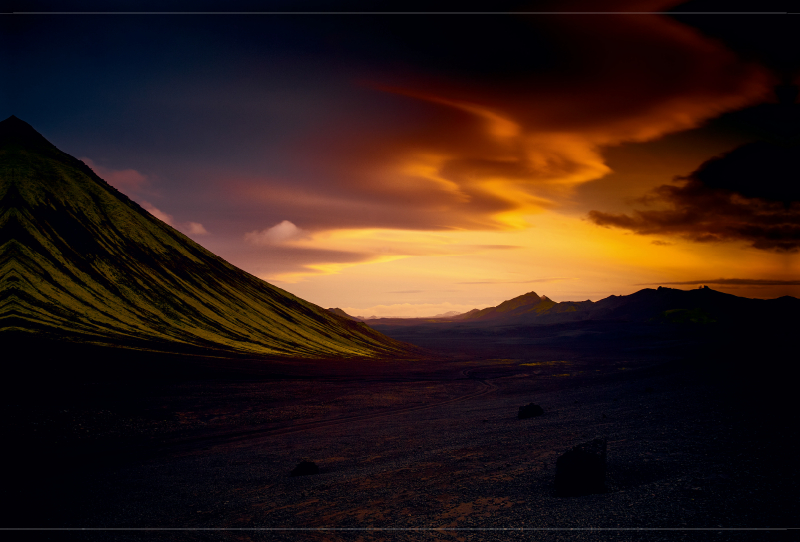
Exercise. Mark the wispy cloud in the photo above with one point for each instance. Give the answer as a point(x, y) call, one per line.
point(533, 281)
point(729, 282)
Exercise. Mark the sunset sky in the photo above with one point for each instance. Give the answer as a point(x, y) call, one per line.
point(416, 163)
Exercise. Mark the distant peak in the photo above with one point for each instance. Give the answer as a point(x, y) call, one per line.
point(15, 131)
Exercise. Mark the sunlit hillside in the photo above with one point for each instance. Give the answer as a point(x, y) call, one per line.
point(81, 261)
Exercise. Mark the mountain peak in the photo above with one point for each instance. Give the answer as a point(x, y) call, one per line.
point(530, 302)
point(82, 263)
point(17, 132)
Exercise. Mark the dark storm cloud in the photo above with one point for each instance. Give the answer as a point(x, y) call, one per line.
point(749, 194)
point(760, 170)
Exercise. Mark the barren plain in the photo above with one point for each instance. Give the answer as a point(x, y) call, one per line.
point(426, 449)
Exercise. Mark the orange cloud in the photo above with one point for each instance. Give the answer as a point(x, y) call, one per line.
point(474, 148)
point(478, 154)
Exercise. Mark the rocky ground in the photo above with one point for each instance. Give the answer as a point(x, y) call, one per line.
point(424, 450)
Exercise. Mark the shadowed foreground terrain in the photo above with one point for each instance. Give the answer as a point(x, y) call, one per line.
point(700, 433)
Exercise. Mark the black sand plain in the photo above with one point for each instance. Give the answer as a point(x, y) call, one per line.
point(701, 425)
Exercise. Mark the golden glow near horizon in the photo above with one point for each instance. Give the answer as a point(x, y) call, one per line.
point(529, 241)
point(512, 222)
point(565, 258)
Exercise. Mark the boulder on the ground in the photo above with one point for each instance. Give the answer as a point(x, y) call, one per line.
point(529, 411)
point(582, 470)
point(305, 468)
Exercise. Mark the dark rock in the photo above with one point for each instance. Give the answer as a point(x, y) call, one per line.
point(529, 411)
point(305, 468)
point(582, 470)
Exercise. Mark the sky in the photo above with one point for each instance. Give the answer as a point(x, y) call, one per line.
point(412, 163)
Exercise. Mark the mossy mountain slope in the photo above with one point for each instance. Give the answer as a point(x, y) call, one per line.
point(82, 262)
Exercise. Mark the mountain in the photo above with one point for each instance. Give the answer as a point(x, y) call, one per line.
point(661, 305)
point(81, 262)
point(701, 305)
point(719, 330)
point(524, 304)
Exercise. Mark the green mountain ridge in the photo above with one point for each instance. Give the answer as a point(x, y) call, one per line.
point(80, 261)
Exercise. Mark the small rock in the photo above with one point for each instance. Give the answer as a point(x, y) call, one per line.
point(582, 470)
point(305, 468)
point(529, 411)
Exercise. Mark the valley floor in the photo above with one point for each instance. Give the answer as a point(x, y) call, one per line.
point(418, 450)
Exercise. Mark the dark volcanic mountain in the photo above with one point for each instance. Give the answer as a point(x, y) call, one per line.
point(646, 323)
point(701, 305)
point(81, 262)
point(661, 305)
point(529, 303)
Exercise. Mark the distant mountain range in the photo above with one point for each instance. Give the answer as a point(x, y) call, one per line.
point(449, 314)
point(340, 312)
point(81, 262)
point(661, 305)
